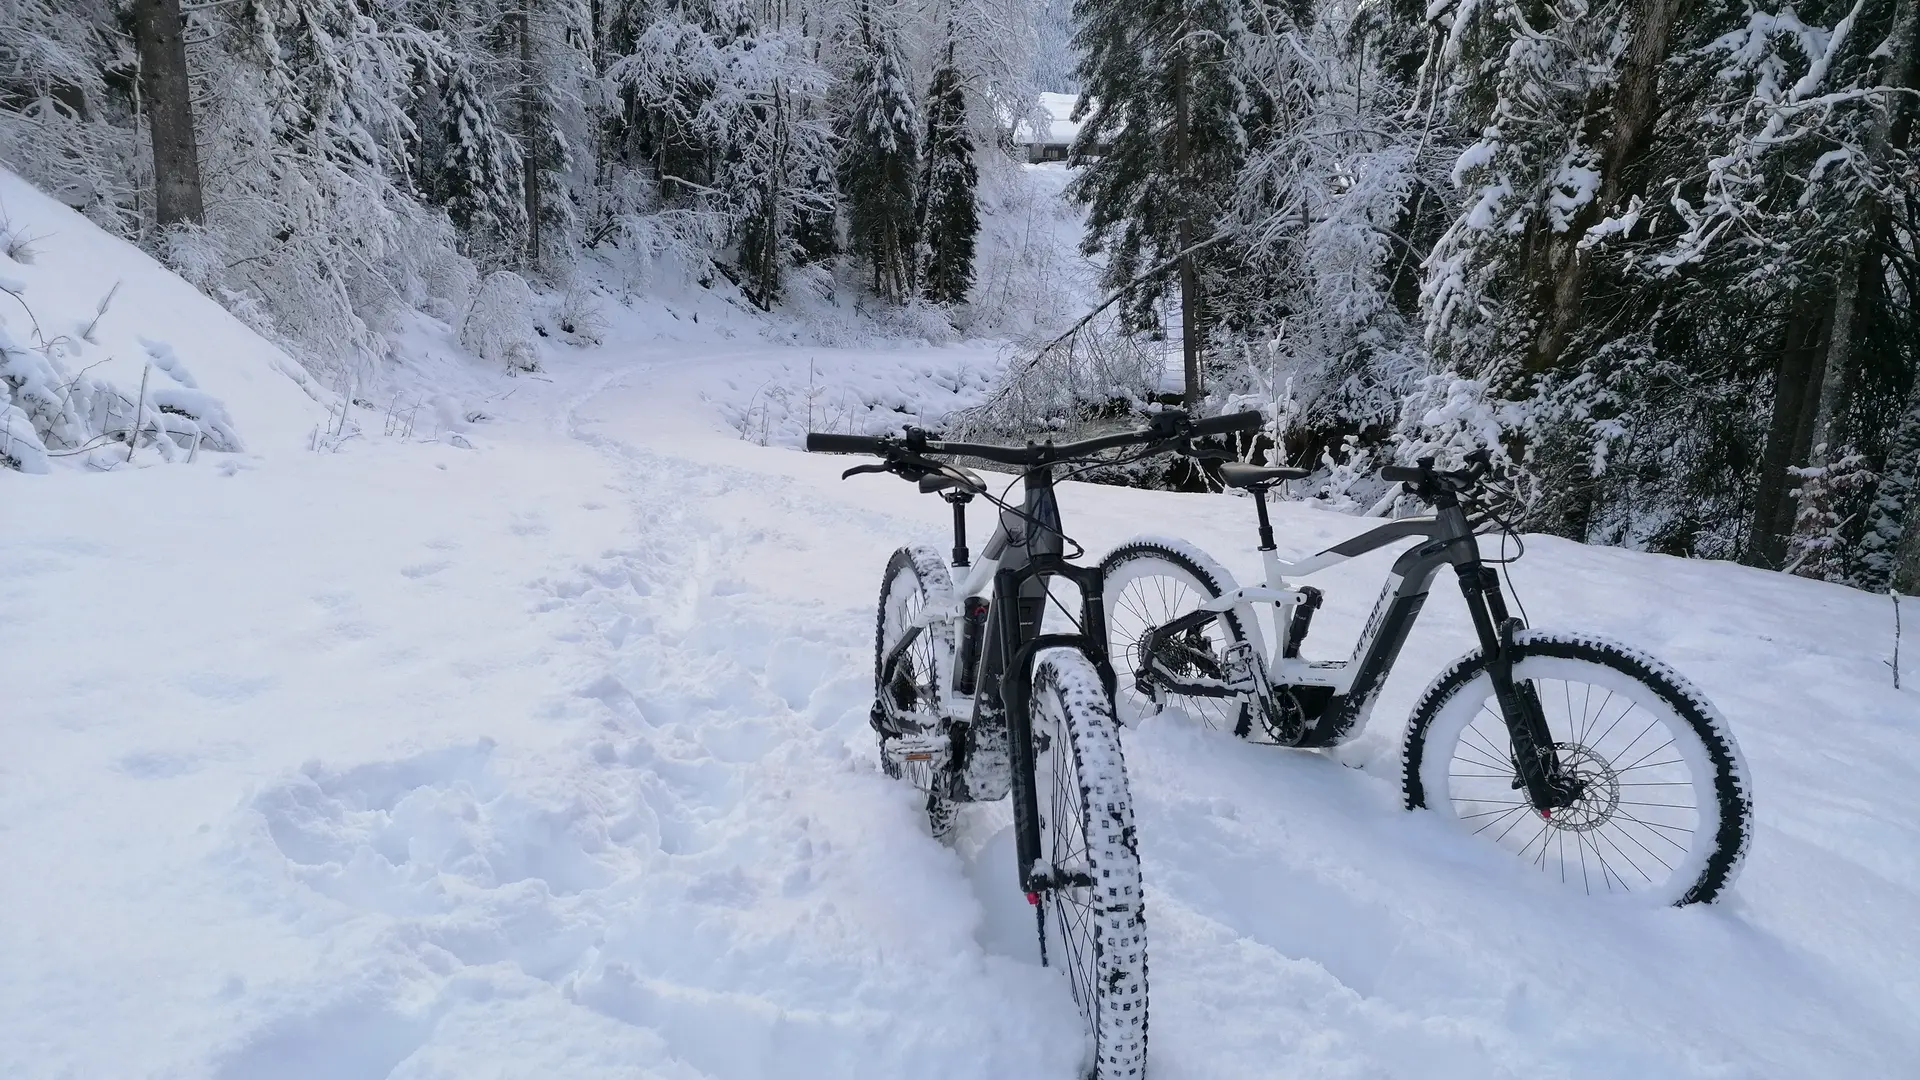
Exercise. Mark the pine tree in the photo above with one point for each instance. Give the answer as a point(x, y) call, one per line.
point(1160, 146)
point(949, 218)
point(1896, 502)
point(552, 71)
point(479, 174)
point(879, 163)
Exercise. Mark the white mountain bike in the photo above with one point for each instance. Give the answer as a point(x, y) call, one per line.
point(1591, 761)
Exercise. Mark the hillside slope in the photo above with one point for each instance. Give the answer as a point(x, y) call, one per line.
point(91, 315)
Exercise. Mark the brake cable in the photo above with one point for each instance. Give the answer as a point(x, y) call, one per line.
point(1520, 548)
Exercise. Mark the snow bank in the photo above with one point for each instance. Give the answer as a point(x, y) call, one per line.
point(92, 314)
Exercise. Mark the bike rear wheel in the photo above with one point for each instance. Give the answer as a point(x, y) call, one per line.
point(1148, 583)
point(909, 700)
point(1664, 813)
point(1092, 919)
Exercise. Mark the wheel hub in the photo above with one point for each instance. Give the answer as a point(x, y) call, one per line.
point(1596, 786)
point(1180, 656)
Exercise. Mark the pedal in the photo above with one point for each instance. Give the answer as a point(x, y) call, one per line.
point(919, 759)
point(1242, 669)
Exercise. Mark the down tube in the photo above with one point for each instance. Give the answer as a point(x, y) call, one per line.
point(1386, 633)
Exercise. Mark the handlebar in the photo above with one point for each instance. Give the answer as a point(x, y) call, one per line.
point(1230, 424)
point(1169, 426)
point(1435, 485)
point(821, 442)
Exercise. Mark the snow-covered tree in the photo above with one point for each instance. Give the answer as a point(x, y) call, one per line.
point(725, 110)
point(949, 217)
point(61, 125)
point(880, 163)
point(479, 172)
point(1161, 143)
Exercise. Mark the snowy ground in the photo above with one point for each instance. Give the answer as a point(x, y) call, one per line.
point(542, 752)
point(549, 758)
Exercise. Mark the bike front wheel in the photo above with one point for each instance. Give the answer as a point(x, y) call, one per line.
point(1092, 919)
point(1663, 812)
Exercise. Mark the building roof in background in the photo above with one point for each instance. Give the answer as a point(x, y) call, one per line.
point(1061, 129)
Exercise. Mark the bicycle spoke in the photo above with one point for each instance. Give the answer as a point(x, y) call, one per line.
point(1630, 860)
point(1496, 820)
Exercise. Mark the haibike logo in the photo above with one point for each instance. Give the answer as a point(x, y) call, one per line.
point(1379, 616)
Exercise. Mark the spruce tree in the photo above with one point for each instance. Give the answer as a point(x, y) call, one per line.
point(1896, 502)
point(1160, 145)
point(879, 163)
point(949, 219)
point(479, 172)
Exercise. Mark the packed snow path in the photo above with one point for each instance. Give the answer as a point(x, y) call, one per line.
point(550, 758)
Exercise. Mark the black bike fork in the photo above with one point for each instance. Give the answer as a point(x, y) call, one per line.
point(1535, 760)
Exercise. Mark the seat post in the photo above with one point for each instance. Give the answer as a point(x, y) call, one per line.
point(1266, 527)
point(959, 500)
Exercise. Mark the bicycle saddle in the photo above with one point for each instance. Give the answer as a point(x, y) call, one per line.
point(952, 476)
point(1235, 475)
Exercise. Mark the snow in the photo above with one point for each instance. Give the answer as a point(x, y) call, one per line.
point(104, 309)
point(550, 757)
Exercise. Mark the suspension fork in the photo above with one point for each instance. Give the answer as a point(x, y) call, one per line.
point(1535, 760)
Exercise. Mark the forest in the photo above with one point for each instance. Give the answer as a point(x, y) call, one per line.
point(1659, 256)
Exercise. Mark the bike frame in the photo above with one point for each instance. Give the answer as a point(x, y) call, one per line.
point(1447, 538)
point(992, 749)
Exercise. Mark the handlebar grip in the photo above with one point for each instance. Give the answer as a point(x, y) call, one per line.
point(1402, 474)
point(1229, 424)
point(821, 442)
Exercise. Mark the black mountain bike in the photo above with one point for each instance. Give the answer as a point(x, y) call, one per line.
point(973, 702)
point(1592, 761)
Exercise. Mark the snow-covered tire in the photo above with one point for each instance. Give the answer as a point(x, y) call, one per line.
point(1694, 800)
point(1148, 582)
point(1097, 931)
point(910, 708)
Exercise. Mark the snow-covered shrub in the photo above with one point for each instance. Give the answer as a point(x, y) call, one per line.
point(1824, 501)
point(37, 411)
point(848, 394)
point(1349, 483)
point(578, 315)
point(498, 324)
point(60, 126)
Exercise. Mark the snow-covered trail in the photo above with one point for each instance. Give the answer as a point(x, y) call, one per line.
point(551, 759)
point(1403, 948)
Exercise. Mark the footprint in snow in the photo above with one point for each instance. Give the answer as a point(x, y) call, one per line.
point(349, 1040)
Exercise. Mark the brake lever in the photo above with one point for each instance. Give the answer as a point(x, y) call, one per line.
point(858, 469)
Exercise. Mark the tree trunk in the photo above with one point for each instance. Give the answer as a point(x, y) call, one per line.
point(1835, 389)
point(1796, 381)
point(1189, 274)
point(1861, 262)
point(1906, 565)
point(530, 133)
point(1635, 107)
point(161, 37)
